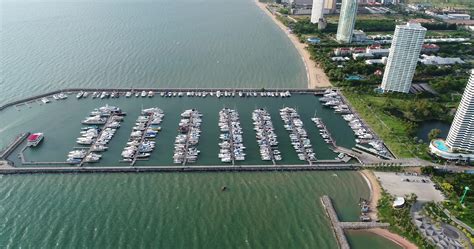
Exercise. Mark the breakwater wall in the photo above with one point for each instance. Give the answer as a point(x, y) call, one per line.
point(145, 169)
point(123, 90)
point(338, 226)
point(13, 145)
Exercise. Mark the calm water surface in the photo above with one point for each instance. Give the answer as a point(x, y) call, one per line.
point(46, 45)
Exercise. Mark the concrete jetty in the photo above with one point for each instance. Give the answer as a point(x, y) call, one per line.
point(174, 168)
point(338, 226)
point(124, 90)
point(13, 145)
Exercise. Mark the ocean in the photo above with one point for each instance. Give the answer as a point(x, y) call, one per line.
point(47, 45)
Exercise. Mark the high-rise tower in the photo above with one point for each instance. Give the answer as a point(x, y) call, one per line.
point(317, 10)
point(403, 57)
point(461, 134)
point(346, 21)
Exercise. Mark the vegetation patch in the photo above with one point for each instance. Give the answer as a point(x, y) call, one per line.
point(400, 219)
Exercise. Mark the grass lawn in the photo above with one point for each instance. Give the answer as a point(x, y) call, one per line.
point(391, 129)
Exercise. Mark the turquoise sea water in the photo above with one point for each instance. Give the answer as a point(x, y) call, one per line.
point(46, 45)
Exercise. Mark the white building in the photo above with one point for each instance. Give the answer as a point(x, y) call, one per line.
point(461, 134)
point(460, 141)
point(346, 21)
point(436, 60)
point(403, 57)
point(317, 10)
point(459, 16)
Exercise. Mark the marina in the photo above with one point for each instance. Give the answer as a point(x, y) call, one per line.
point(252, 136)
point(332, 98)
point(266, 137)
point(298, 135)
point(231, 145)
point(185, 146)
point(142, 139)
point(105, 121)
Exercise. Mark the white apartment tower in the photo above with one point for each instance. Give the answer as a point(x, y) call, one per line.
point(404, 53)
point(317, 10)
point(461, 135)
point(346, 21)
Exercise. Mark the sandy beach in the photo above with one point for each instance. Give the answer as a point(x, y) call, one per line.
point(316, 76)
point(399, 240)
point(375, 194)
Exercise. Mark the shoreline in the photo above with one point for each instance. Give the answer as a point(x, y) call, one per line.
point(395, 238)
point(375, 194)
point(315, 75)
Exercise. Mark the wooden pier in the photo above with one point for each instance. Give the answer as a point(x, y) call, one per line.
point(338, 226)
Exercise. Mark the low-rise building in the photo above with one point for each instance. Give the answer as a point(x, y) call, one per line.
point(359, 36)
point(436, 60)
point(459, 16)
point(376, 61)
point(362, 55)
point(429, 48)
point(313, 40)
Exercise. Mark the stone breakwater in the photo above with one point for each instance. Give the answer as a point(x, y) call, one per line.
point(338, 226)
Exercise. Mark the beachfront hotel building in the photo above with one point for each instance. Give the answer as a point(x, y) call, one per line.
point(403, 57)
point(317, 10)
point(346, 21)
point(460, 141)
point(461, 134)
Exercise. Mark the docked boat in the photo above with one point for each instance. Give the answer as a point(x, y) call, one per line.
point(34, 139)
point(185, 147)
point(232, 148)
point(45, 100)
point(128, 94)
point(266, 137)
point(298, 135)
point(62, 96)
point(79, 94)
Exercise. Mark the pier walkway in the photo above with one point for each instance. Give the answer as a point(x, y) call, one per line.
point(122, 91)
point(338, 226)
point(13, 145)
point(8, 169)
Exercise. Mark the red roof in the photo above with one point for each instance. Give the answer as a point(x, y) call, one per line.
point(33, 137)
point(430, 46)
